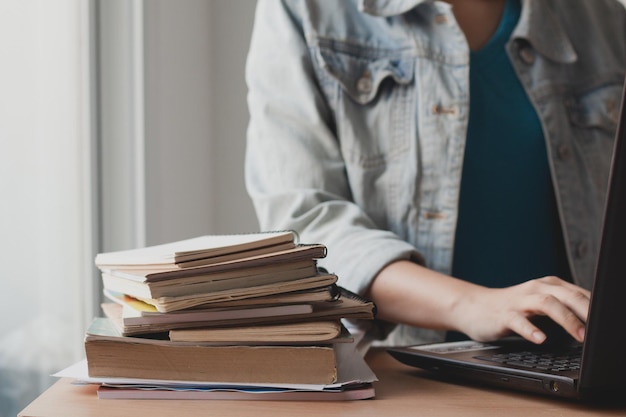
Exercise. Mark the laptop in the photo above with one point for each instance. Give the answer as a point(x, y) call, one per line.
point(594, 370)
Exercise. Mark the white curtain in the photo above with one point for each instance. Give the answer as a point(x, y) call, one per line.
point(47, 284)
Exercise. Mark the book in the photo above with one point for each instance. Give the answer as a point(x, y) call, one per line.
point(306, 296)
point(352, 370)
point(297, 253)
point(137, 286)
point(201, 250)
point(160, 333)
point(347, 306)
point(111, 355)
point(135, 311)
point(301, 332)
point(131, 324)
point(314, 295)
point(168, 304)
point(309, 296)
point(350, 392)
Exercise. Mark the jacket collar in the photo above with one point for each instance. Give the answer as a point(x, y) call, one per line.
point(538, 25)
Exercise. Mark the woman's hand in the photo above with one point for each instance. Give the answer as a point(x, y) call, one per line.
point(405, 292)
point(487, 314)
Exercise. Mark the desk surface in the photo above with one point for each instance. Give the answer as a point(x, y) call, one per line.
point(400, 391)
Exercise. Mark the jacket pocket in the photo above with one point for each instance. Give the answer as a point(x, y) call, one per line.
point(361, 77)
point(372, 96)
point(593, 116)
point(596, 109)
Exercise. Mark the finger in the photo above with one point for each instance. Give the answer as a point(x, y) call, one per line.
point(523, 327)
point(560, 313)
point(574, 297)
point(577, 302)
point(558, 282)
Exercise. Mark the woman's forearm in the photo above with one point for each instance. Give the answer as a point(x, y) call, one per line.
point(408, 293)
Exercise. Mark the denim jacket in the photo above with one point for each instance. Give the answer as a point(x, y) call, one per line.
point(359, 111)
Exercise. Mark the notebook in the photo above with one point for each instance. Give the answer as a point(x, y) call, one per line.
point(599, 372)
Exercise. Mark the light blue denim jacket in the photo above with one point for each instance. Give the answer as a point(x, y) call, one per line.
point(359, 111)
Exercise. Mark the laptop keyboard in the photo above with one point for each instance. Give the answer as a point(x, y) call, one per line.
point(568, 360)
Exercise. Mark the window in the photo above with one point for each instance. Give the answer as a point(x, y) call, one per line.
point(47, 211)
point(107, 107)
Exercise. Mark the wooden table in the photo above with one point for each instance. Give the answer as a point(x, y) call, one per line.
point(400, 391)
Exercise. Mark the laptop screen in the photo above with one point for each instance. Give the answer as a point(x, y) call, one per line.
point(604, 355)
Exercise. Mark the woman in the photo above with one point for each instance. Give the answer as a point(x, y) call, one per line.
point(453, 156)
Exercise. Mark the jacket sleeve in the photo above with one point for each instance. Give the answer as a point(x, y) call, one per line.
point(295, 173)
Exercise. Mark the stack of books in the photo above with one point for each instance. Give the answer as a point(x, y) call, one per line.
point(248, 315)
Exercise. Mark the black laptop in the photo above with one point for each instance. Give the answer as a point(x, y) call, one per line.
point(594, 370)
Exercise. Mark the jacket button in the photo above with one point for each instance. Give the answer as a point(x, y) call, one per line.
point(527, 54)
point(449, 110)
point(364, 84)
point(441, 19)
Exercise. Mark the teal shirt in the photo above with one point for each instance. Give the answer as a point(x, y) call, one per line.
point(508, 227)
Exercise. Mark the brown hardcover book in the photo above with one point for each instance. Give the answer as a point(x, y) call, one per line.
point(111, 355)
